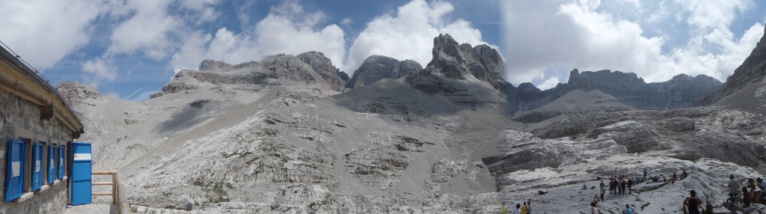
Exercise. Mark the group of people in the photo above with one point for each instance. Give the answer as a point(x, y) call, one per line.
point(623, 184)
point(752, 192)
point(661, 178)
point(620, 185)
point(524, 208)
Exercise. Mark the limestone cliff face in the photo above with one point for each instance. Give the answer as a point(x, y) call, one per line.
point(310, 68)
point(376, 68)
point(469, 76)
point(746, 88)
point(323, 66)
point(681, 91)
point(458, 61)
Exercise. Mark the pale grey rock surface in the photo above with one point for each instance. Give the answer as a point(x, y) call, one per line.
point(274, 137)
point(376, 68)
point(324, 67)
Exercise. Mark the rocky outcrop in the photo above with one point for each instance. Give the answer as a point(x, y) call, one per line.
point(323, 66)
point(213, 65)
point(376, 68)
point(745, 88)
point(752, 70)
point(681, 91)
point(71, 91)
point(456, 61)
point(468, 76)
point(310, 68)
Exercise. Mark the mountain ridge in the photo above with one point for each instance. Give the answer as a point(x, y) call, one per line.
point(454, 137)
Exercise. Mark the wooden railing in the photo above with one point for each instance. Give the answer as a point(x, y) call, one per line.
point(119, 196)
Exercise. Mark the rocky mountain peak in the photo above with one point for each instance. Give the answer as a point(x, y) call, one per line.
point(578, 81)
point(458, 61)
point(324, 67)
point(749, 75)
point(376, 68)
point(311, 68)
point(76, 91)
point(213, 65)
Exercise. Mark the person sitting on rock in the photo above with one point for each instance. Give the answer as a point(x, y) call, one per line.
point(628, 210)
point(683, 174)
point(751, 189)
point(734, 188)
point(594, 208)
point(584, 187)
point(745, 197)
point(763, 189)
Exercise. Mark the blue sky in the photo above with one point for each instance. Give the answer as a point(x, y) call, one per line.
point(130, 49)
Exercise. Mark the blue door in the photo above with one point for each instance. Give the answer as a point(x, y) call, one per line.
point(37, 165)
point(14, 180)
point(81, 172)
point(51, 163)
point(61, 161)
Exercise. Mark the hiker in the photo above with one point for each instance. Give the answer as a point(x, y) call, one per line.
point(751, 188)
point(595, 198)
point(692, 203)
point(518, 209)
point(645, 173)
point(529, 206)
point(630, 185)
point(622, 186)
point(611, 186)
point(602, 192)
point(683, 173)
point(594, 208)
point(673, 181)
point(763, 188)
point(524, 209)
point(734, 188)
point(628, 210)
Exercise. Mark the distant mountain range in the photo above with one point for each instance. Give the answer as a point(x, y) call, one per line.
point(293, 134)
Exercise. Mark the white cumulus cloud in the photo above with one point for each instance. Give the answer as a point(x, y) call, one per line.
point(146, 30)
point(409, 33)
point(44, 32)
point(100, 70)
point(540, 36)
point(286, 29)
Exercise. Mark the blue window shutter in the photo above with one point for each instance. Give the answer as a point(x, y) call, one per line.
point(51, 164)
point(61, 162)
point(37, 162)
point(14, 175)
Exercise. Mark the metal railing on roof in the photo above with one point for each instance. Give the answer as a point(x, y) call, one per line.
point(16, 59)
point(23, 62)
